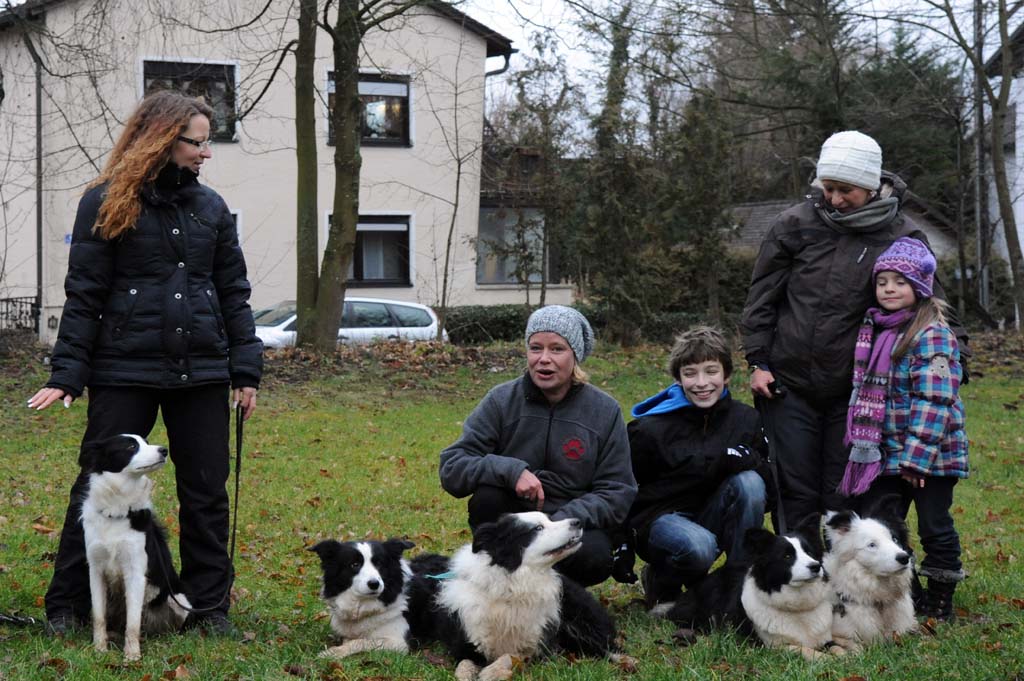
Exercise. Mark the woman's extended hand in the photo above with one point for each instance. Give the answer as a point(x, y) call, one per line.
point(247, 398)
point(47, 396)
point(759, 382)
point(528, 486)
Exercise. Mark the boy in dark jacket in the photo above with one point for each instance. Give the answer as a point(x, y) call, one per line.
point(700, 460)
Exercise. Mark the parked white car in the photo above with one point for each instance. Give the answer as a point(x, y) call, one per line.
point(364, 320)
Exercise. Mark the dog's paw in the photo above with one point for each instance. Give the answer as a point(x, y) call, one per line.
point(336, 652)
point(500, 669)
point(466, 671)
point(99, 642)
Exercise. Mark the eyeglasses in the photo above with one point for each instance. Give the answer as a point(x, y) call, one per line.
point(203, 146)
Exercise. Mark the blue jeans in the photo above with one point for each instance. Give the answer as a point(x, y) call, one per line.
point(681, 549)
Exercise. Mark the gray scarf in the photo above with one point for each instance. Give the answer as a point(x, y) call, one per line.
point(867, 218)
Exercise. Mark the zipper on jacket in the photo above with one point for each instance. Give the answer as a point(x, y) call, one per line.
point(862, 254)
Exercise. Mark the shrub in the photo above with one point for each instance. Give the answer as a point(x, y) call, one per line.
point(480, 324)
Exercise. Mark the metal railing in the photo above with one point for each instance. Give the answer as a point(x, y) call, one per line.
point(19, 314)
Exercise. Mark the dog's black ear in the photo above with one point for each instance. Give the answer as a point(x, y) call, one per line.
point(483, 535)
point(395, 547)
point(757, 540)
point(841, 522)
point(809, 529)
point(88, 455)
point(327, 550)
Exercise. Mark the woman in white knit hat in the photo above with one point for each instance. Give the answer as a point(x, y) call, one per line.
point(811, 284)
point(548, 441)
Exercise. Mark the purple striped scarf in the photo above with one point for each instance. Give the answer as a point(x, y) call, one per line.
point(865, 418)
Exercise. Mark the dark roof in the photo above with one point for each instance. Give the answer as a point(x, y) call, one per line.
point(994, 64)
point(497, 44)
point(752, 221)
point(29, 9)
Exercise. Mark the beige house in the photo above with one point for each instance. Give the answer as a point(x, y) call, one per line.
point(422, 85)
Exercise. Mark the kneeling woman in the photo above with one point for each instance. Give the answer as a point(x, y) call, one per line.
point(548, 441)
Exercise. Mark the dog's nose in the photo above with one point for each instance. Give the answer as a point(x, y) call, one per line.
point(162, 451)
point(373, 585)
point(903, 558)
point(815, 568)
point(575, 523)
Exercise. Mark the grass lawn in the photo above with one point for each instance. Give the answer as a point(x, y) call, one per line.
point(347, 448)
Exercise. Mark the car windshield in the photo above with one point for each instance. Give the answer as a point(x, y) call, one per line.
point(272, 316)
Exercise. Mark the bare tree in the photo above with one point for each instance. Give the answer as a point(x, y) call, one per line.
point(996, 89)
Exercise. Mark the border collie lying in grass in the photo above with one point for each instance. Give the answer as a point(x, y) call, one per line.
point(502, 599)
point(367, 588)
point(871, 569)
point(130, 567)
point(782, 595)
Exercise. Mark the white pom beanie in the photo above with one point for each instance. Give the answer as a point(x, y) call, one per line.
point(851, 157)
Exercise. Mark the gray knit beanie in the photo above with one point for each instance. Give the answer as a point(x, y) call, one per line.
point(851, 157)
point(567, 323)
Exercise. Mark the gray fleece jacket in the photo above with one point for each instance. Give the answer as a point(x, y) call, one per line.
point(578, 449)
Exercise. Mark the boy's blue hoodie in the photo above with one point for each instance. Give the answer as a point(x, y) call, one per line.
point(669, 399)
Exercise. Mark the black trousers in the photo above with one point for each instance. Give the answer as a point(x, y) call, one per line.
point(591, 564)
point(939, 538)
point(197, 422)
point(807, 441)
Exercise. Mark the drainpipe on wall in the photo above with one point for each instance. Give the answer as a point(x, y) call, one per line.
point(39, 200)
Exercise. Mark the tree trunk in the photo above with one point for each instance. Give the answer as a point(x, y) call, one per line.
point(341, 238)
point(307, 246)
point(999, 110)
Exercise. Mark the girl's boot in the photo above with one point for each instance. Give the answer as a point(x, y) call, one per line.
point(938, 600)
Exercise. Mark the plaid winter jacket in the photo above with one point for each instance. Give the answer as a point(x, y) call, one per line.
point(924, 417)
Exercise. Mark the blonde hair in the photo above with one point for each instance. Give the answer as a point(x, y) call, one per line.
point(927, 311)
point(579, 375)
point(141, 152)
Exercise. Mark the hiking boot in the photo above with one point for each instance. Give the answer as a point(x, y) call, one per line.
point(212, 624)
point(938, 600)
point(62, 625)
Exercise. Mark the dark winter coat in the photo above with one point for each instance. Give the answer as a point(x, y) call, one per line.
point(577, 448)
point(165, 305)
point(808, 293)
point(680, 459)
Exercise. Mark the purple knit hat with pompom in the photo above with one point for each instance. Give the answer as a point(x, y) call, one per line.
point(912, 259)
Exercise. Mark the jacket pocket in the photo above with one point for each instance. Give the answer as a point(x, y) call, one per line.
point(122, 321)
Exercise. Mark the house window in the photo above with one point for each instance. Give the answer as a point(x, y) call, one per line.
point(215, 83)
point(381, 256)
point(383, 106)
point(509, 246)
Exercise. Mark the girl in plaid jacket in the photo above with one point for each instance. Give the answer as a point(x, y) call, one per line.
point(905, 424)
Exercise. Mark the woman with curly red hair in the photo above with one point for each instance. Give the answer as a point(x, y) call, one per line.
point(157, 320)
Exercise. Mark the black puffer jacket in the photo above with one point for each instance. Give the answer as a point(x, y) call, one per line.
point(810, 289)
point(163, 306)
point(680, 459)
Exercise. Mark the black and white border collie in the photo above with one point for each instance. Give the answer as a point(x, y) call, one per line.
point(132, 579)
point(781, 595)
point(502, 599)
point(872, 573)
point(366, 586)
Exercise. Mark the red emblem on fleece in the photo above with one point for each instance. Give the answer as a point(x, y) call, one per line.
point(573, 449)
